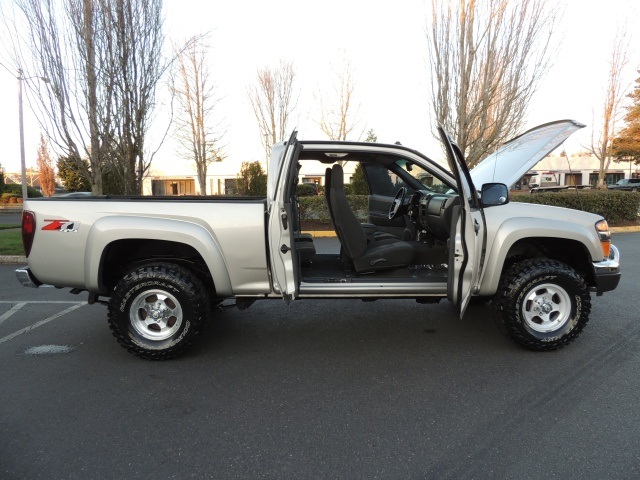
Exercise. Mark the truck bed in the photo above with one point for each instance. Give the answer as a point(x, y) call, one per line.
point(84, 227)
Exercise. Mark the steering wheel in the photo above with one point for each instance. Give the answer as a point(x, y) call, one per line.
point(398, 200)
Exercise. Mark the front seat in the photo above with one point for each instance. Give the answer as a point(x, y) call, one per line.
point(370, 230)
point(367, 255)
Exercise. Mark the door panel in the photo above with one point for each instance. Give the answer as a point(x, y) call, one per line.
point(282, 249)
point(466, 244)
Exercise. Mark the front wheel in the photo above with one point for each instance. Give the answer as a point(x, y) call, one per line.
point(542, 304)
point(157, 310)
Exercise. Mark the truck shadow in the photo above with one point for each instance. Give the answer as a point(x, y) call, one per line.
point(351, 328)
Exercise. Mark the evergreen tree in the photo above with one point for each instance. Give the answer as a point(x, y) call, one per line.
point(626, 146)
point(252, 181)
point(72, 174)
point(359, 185)
point(371, 136)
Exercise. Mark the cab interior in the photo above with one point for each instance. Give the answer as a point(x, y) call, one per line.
point(400, 237)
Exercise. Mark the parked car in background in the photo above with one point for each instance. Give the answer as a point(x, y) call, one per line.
point(628, 184)
point(549, 182)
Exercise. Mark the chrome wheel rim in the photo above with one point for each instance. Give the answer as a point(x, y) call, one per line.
point(156, 315)
point(546, 308)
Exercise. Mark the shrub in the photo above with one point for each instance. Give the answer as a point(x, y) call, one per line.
point(16, 189)
point(7, 197)
point(612, 205)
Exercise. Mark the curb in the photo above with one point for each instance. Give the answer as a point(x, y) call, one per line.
point(331, 233)
point(13, 260)
point(624, 229)
point(321, 233)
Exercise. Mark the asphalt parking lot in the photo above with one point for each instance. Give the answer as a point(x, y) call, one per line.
point(319, 389)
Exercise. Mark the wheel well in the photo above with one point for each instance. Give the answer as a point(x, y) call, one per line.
point(569, 252)
point(122, 256)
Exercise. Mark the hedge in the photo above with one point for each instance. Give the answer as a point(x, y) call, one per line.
point(315, 208)
point(306, 190)
point(615, 206)
point(16, 189)
point(612, 205)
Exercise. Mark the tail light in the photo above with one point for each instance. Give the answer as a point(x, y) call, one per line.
point(28, 230)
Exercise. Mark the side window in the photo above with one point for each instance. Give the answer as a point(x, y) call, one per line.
point(382, 181)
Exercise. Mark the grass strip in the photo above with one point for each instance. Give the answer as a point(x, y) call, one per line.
point(11, 242)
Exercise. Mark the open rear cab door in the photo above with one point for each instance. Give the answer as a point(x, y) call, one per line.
point(282, 249)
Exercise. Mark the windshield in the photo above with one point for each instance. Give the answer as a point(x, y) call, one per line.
point(404, 169)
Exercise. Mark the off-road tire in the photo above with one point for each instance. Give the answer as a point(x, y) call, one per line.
point(165, 292)
point(537, 285)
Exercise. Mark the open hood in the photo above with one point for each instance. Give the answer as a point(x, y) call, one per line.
point(516, 157)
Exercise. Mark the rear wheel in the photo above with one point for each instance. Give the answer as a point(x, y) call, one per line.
point(157, 310)
point(542, 304)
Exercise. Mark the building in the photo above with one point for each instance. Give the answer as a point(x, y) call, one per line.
point(581, 169)
point(181, 179)
point(221, 178)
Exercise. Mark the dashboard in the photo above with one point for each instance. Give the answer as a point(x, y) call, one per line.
point(432, 212)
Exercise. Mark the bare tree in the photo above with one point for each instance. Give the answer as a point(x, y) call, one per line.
point(196, 131)
point(487, 58)
point(45, 167)
point(273, 100)
point(57, 41)
point(338, 114)
point(102, 62)
point(135, 67)
point(602, 140)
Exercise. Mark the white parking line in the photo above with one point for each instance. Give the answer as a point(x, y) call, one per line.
point(11, 311)
point(40, 301)
point(42, 322)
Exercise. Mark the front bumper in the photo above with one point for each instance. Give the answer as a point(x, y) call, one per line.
point(606, 274)
point(26, 278)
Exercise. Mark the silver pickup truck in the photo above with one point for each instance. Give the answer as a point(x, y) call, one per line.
point(163, 265)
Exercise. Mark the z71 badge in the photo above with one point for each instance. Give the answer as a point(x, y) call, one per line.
point(64, 226)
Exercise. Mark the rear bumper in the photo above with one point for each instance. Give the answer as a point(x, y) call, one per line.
point(606, 273)
point(26, 278)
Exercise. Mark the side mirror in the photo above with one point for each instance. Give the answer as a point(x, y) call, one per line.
point(493, 194)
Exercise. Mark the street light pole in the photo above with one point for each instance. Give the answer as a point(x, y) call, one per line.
point(23, 165)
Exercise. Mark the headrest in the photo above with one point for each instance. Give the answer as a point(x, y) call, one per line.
point(337, 177)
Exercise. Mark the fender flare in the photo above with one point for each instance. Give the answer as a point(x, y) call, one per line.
point(107, 230)
point(516, 229)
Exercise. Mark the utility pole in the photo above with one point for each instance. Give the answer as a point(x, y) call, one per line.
point(23, 165)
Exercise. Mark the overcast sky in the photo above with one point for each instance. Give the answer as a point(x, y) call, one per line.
point(386, 45)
